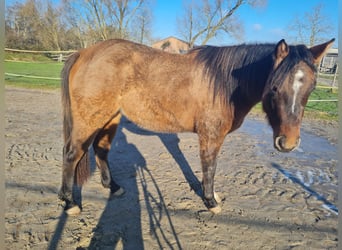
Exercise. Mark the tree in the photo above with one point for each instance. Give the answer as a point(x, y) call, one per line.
point(311, 28)
point(51, 32)
point(204, 19)
point(141, 26)
point(35, 25)
point(123, 13)
point(23, 23)
point(97, 20)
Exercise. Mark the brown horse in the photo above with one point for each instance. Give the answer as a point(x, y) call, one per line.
point(207, 91)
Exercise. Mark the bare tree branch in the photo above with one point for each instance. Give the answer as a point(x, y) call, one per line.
point(311, 28)
point(212, 18)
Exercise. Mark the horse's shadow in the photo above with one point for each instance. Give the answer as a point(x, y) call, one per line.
point(131, 172)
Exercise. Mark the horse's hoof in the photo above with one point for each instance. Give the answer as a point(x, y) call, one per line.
point(217, 198)
point(215, 210)
point(75, 210)
point(118, 193)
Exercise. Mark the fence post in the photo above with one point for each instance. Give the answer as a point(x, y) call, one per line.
point(334, 80)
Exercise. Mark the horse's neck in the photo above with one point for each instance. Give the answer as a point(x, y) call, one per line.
point(253, 79)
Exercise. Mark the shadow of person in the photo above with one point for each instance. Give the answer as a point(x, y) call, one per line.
point(120, 223)
point(171, 143)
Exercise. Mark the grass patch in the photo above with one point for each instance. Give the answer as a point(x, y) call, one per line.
point(40, 69)
point(323, 110)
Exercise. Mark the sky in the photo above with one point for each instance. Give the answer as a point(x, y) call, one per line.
point(263, 24)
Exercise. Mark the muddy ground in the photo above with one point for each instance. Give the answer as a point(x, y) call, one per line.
point(270, 200)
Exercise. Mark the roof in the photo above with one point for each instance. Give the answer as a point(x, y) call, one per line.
point(332, 51)
point(171, 44)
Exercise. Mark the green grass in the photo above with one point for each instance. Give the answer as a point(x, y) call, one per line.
point(42, 69)
point(323, 110)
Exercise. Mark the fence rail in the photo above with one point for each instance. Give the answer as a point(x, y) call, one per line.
point(57, 55)
point(41, 51)
point(324, 100)
point(32, 76)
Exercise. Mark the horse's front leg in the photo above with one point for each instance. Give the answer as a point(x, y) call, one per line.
point(209, 149)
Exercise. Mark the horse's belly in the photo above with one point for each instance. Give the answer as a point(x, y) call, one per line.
point(158, 113)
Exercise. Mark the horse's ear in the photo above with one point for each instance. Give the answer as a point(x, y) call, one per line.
point(281, 51)
point(319, 51)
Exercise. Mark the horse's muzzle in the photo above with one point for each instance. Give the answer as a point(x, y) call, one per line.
point(283, 144)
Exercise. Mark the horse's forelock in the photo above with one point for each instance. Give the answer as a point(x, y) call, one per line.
point(298, 53)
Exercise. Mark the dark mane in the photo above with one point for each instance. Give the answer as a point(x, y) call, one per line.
point(243, 70)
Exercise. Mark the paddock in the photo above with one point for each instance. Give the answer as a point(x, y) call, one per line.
point(270, 199)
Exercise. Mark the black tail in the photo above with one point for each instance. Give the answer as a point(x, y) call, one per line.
point(82, 171)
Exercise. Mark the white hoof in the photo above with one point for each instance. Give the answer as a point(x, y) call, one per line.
point(118, 193)
point(215, 210)
point(217, 198)
point(75, 210)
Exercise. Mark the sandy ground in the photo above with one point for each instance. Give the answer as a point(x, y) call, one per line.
point(270, 200)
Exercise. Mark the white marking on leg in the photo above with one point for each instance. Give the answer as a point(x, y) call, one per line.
point(297, 84)
point(217, 198)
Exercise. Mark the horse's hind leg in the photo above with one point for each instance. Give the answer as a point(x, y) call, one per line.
point(73, 154)
point(102, 145)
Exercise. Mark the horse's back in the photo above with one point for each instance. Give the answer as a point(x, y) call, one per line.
point(157, 90)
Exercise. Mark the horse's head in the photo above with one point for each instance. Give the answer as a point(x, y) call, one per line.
point(287, 90)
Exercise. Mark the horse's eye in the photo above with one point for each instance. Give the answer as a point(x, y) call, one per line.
point(274, 89)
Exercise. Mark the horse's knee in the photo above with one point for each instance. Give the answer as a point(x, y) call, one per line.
point(70, 152)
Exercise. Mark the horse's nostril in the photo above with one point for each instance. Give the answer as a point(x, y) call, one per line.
point(279, 143)
point(298, 142)
point(283, 145)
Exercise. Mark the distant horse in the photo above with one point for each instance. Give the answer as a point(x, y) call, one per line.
point(207, 91)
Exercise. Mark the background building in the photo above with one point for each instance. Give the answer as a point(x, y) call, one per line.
point(172, 45)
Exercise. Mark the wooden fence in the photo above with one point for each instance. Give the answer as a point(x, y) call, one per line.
point(56, 55)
